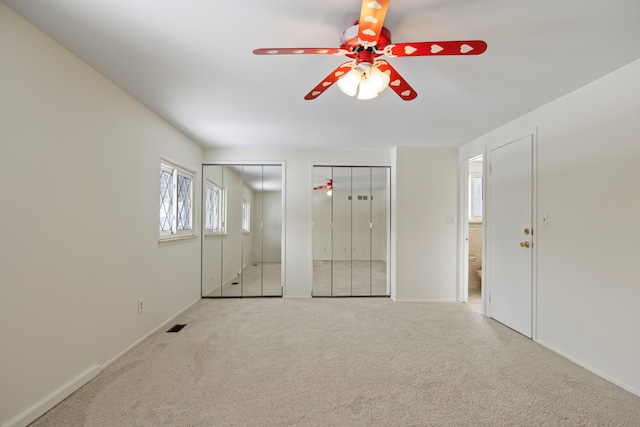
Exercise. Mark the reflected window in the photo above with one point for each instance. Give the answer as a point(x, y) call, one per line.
point(246, 216)
point(475, 197)
point(214, 208)
point(176, 201)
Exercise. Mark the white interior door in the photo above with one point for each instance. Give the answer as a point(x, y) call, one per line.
point(509, 235)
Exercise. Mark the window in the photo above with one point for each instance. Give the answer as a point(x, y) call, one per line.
point(475, 197)
point(176, 201)
point(246, 216)
point(213, 208)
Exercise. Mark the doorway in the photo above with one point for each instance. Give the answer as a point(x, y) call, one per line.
point(474, 218)
point(351, 229)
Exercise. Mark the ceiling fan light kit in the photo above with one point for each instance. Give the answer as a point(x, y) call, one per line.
point(365, 76)
point(365, 80)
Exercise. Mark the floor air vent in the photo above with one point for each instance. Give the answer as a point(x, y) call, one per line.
point(176, 328)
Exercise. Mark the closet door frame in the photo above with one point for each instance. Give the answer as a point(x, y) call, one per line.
point(282, 166)
point(386, 165)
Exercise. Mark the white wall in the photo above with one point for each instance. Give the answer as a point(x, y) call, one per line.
point(588, 297)
point(298, 194)
point(79, 166)
point(424, 196)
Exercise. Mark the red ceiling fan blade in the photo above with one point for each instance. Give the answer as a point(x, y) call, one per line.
point(328, 81)
point(460, 47)
point(301, 51)
point(396, 82)
point(372, 16)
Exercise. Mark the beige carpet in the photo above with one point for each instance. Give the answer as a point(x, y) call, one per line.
point(342, 362)
point(349, 278)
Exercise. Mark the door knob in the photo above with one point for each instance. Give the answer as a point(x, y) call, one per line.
point(525, 244)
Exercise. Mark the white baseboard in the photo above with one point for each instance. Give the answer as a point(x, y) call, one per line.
point(162, 325)
point(40, 408)
point(424, 300)
point(599, 373)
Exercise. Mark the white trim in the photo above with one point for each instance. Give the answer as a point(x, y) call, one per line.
point(38, 409)
point(177, 169)
point(390, 255)
point(222, 214)
point(174, 239)
point(162, 325)
point(283, 205)
point(462, 289)
point(283, 208)
point(176, 165)
point(590, 368)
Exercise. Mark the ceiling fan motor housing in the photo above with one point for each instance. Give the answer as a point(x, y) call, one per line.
point(349, 39)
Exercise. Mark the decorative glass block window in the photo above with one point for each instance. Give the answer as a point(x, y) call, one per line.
point(176, 201)
point(213, 208)
point(475, 197)
point(246, 216)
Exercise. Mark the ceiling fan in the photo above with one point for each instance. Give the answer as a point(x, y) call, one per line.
point(366, 75)
point(328, 186)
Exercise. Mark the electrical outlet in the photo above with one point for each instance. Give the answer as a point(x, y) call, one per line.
point(140, 305)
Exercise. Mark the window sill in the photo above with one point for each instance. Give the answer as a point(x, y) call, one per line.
point(214, 235)
point(176, 239)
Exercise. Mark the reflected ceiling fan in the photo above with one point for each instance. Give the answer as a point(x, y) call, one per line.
point(328, 186)
point(364, 42)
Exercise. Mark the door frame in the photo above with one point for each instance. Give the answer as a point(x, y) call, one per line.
point(462, 291)
point(390, 255)
point(283, 195)
point(463, 225)
point(487, 201)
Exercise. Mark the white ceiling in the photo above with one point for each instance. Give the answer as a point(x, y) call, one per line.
point(191, 62)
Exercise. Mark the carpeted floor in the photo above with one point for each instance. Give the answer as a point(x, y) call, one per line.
point(342, 362)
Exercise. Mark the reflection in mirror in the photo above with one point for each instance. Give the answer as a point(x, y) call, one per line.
point(232, 242)
point(213, 229)
point(351, 212)
point(242, 229)
point(251, 232)
point(322, 246)
point(361, 232)
point(342, 232)
point(271, 220)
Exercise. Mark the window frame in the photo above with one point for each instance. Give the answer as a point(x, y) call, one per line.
point(178, 171)
point(472, 217)
point(222, 211)
point(246, 216)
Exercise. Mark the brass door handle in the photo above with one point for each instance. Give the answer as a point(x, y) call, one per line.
point(525, 244)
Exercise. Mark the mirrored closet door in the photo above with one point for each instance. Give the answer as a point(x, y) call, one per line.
point(242, 230)
point(351, 227)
